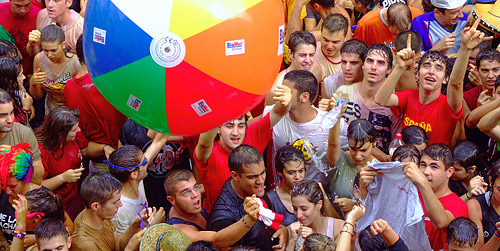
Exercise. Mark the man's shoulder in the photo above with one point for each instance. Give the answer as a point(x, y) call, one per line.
point(4, 8)
point(429, 16)
point(21, 129)
point(454, 204)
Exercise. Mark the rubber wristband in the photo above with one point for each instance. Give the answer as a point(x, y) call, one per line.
point(104, 147)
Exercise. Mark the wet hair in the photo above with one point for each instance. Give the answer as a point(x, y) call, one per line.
point(45, 201)
point(440, 152)
point(16, 162)
point(317, 241)
point(304, 81)
point(466, 154)
point(335, 22)
point(299, 38)
point(126, 156)
point(243, 155)
point(436, 56)
point(414, 135)
point(98, 187)
point(79, 50)
point(401, 41)
point(286, 154)
point(5, 97)
point(487, 55)
point(54, 130)
point(382, 50)
point(10, 67)
point(361, 131)
point(52, 33)
point(50, 228)
point(173, 177)
point(405, 152)
point(310, 190)
point(369, 241)
point(324, 3)
point(370, 4)
point(202, 246)
point(399, 16)
point(8, 49)
point(462, 232)
point(354, 46)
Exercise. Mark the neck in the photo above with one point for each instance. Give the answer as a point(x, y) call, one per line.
point(83, 71)
point(317, 225)
point(224, 145)
point(303, 113)
point(327, 11)
point(425, 97)
point(367, 90)
point(2, 134)
point(384, 15)
point(177, 212)
point(284, 188)
point(442, 190)
point(466, 181)
point(238, 190)
point(130, 189)
point(443, 22)
point(92, 219)
point(63, 19)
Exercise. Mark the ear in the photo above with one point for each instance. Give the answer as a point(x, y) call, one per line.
point(235, 176)
point(37, 219)
point(69, 242)
point(304, 97)
point(171, 200)
point(69, 3)
point(320, 204)
point(94, 206)
point(290, 53)
point(472, 169)
point(450, 171)
point(133, 175)
point(317, 7)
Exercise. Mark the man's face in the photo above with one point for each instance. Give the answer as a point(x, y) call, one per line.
point(57, 8)
point(435, 172)
point(293, 173)
point(110, 208)
point(14, 188)
point(6, 117)
point(331, 42)
point(252, 179)
point(431, 74)
point(303, 57)
point(57, 243)
point(450, 17)
point(360, 152)
point(375, 67)
point(489, 72)
point(351, 67)
point(187, 196)
point(20, 7)
point(232, 133)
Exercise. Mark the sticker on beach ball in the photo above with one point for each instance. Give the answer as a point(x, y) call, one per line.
point(183, 67)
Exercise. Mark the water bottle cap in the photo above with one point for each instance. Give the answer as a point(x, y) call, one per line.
point(399, 136)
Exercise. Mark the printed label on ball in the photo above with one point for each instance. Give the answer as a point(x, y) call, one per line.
point(281, 39)
point(235, 47)
point(168, 51)
point(201, 108)
point(134, 103)
point(99, 36)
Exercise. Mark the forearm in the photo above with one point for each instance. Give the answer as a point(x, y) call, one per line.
point(94, 150)
point(233, 233)
point(435, 210)
point(489, 121)
point(333, 149)
point(155, 148)
point(205, 143)
point(32, 50)
point(53, 183)
point(278, 112)
point(476, 114)
point(344, 239)
point(38, 172)
point(390, 237)
point(36, 90)
point(385, 91)
point(294, 24)
point(492, 245)
point(455, 92)
point(122, 240)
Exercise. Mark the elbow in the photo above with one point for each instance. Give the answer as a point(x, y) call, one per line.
point(441, 222)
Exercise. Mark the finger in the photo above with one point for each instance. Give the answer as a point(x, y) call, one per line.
point(408, 42)
point(476, 23)
point(37, 71)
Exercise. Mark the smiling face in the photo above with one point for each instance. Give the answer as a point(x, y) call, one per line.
point(187, 196)
point(449, 17)
point(303, 57)
point(306, 211)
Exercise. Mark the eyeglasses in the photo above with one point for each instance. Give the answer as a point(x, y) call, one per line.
point(144, 162)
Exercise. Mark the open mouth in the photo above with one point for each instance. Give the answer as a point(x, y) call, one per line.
point(197, 204)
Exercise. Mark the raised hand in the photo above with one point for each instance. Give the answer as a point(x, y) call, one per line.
point(378, 226)
point(483, 97)
point(356, 213)
point(282, 94)
point(406, 56)
point(251, 207)
point(345, 204)
point(413, 173)
point(34, 37)
point(471, 37)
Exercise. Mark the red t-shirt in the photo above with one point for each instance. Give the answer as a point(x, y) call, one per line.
point(99, 120)
point(19, 28)
point(437, 236)
point(60, 161)
point(436, 118)
point(215, 172)
point(471, 96)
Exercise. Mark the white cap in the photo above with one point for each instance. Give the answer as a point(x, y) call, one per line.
point(448, 4)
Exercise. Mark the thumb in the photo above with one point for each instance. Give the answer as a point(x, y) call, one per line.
point(37, 71)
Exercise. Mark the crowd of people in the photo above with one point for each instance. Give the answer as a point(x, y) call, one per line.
point(381, 132)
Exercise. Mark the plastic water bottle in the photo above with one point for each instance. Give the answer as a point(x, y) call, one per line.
point(397, 142)
point(331, 117)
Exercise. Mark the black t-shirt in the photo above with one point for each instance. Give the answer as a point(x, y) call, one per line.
point(170, 157)
point(7, 217)
point(228, 209)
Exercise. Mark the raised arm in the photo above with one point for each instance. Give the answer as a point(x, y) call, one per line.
point(205, 144)
point(159, 141)
point(333, 149)
point(404, 59)
point(294, 23)
point(478, 113)
point(489, 124)
point(471, 37)
point(282, 98)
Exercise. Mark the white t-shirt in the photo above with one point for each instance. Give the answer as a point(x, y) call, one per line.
point(127, 213)
point(287, 132)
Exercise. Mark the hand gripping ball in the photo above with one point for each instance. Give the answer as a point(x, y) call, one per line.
point(183, 67)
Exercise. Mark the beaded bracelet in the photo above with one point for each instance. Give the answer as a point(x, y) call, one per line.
point(18, 233)
point(244, 222)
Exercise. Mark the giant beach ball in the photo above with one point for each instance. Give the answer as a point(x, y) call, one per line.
point(183, 67)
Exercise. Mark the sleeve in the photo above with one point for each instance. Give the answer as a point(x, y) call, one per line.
point(360, 32)
point(83, 246)
point(31, 140)
point(399, 246)
point(420, 27)
point(120, 221)
point(402, 101)
point(260, 133)
point(81, 141)
point(453, 115)
point(45, 157)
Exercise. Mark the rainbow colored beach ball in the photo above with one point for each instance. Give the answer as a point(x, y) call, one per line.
point(183, 67)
